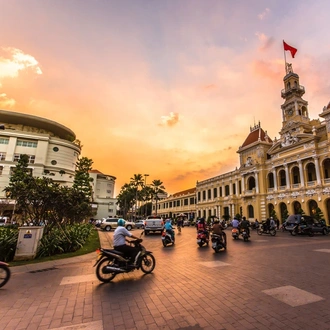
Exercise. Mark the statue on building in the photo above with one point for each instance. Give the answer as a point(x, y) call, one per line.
point(289, 139)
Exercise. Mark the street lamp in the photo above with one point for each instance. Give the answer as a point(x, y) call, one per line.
point(145, 179)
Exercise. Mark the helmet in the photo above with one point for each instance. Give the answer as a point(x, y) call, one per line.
point(168, 220)
point(121, 222)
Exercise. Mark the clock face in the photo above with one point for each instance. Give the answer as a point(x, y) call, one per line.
point(290, 112)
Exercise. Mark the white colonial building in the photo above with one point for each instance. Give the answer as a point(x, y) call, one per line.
point(53, 151)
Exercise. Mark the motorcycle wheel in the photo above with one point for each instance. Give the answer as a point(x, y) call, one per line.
point(325, 232)
point(104, 277)
point(259, 232)
point(273, 232)
point(216, 249)
point(293, 232)
point(148, 263)
point(164, 243)
point(200, 244)
point(310, 233)
point(4, 275)
point(246, 239)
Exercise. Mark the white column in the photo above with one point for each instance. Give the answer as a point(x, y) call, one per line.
point(301, 173)
point(287, 176)
point(237, 187)
point(275, 179)
point(230, 188)
point(257, 182)
point(317, 168)
point(243, 186)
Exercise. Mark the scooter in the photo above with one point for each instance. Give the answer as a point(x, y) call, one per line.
point(302, 230)
point(235, 233)
point(218, 242)
point(262, 230)
point(167, 238)
point(245, 235)
point(202, 238)
point(4, 273)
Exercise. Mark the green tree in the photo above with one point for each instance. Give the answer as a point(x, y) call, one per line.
point(82, 180)
point(318, 215)
point(156, 189)
point(285, 214)
point(273, 214)
point(137, 182)
point(126, 199)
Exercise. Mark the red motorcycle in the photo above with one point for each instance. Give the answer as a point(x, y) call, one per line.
point(202, 238)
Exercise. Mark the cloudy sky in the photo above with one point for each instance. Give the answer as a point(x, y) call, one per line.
point(167, 88)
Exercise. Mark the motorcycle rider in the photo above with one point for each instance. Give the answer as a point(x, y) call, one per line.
point(235, 223)
point(169, 228)
point(272, 223)
point(119, 241)
point(201, 227)
point(217, 229)
point(245, 224)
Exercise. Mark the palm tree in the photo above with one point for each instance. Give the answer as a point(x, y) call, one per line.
point(137, 181)
point(157, 188)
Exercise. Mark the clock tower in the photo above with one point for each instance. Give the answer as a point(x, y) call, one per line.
point(294, 108)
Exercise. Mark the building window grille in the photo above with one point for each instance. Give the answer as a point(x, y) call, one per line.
point(4, 141)
point(31, 158)
point(29, 144)
point(53, 162)
point(2, 156)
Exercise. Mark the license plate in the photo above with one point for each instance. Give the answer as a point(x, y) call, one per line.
point(199, 240)
point(214, 245)
point(163, 237)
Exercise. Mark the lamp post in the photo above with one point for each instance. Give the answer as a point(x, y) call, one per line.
point(145, 179)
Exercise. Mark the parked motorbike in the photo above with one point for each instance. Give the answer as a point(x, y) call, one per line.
point(4, 273)
point(235, 233)
point(167, 238)
point(263, 230)
point(245, 235)
point(111, 262)
point(218, 243)
point(302, 230)
point(202, 238)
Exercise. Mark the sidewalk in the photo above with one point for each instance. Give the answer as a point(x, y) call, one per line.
point(105, 242)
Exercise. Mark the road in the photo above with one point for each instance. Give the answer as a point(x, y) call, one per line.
point(279, 282)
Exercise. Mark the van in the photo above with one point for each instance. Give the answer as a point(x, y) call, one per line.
point(153, 223)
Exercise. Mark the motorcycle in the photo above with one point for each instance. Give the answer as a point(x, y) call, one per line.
point(4, 273)
point(263, 230)
point(202, 238)
point(111, 262)
point(167, 238)
point(302, 230)
point(245, 235)
point(235, 233)
point(218, 242)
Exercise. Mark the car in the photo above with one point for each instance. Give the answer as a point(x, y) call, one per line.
point(139, 224)
point(186, 223)
point(318, 226)
point(112, 223)
point(153, 223)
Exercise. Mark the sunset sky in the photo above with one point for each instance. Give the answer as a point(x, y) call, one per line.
point(167, 88)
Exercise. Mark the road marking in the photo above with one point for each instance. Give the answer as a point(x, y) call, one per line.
point(212, 264)
point(323, 250)
point(95, 325)
point(292, 296)
point(78, 279)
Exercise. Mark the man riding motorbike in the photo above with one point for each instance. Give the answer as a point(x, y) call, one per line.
point(119, 241)
point(217, 229)
point(235, 223)
point(245, 224)
point(201, 226)
point(169, 228)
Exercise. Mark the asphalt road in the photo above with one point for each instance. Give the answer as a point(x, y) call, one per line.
point(279, 282)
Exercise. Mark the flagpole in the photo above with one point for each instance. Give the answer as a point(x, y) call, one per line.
point(284, 57)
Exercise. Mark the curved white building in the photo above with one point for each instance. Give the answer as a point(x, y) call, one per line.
point(51, 147)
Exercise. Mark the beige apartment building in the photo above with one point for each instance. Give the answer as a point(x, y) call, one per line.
point(53, 152)
point(287, 174)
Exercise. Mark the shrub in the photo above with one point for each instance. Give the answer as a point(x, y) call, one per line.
point(8, 243)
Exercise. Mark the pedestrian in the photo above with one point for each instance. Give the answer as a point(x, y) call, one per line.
point(277, 224)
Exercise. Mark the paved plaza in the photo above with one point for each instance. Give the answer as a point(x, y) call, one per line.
point(279, 282)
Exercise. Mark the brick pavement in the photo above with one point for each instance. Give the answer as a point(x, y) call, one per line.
point(269, 283)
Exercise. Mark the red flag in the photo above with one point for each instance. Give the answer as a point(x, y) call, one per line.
point(292, 50)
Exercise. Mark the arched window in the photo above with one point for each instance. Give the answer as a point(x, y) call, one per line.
point(250, 211)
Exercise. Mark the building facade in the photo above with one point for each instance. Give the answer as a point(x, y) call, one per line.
point(285, 176)
point(104, 203)
point(53, 151)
